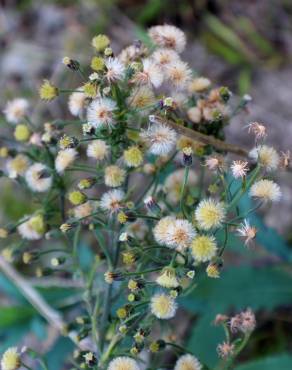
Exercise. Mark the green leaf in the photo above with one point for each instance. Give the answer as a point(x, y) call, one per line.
point(13, 336)
point(13, 315)
point(10, 290)
point(57, 356)
point(39, 327)
point(242, 286)
point(149, 11)
point(280, 362)
point(244, 81)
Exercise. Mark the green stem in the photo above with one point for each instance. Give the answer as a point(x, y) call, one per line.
point(26, 366)
point(180, 348)
point(142, 272)
point(75, 244)
point(186, 175)
point(225, 241)
point(237, 351)
point(105, 314)
point(148, 217)
point(241, 192)
point(104, 249)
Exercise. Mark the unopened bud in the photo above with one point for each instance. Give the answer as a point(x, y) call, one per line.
point(187, 156)
point(152, 205)
point(71, 64)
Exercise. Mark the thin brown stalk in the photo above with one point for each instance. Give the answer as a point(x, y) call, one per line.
point(205, 139)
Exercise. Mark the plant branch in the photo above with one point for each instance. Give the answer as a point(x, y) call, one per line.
point(205, 139)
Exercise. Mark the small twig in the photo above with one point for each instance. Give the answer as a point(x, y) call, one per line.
point(205, 139)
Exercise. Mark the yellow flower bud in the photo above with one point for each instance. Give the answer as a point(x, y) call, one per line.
point(48, 91)
point(3, 152)
point(100, 42)
point(37, 223)
point(132, 284)
point(97, 64)
point(212, 270)
point(90, 90)
point(131, 297)
point(21, 132)
point(108, 52)
point(122, 313)
point(122, 217)
point(3, 233)
point(154, 347)
point(134, 351)
point(76, 198)
point(128, 258)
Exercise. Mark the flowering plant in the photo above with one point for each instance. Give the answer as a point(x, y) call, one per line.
point(142, 174)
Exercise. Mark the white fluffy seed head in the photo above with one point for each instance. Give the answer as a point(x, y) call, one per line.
point(160, 138)
point(180, 234)
point(76, 102)
point(168, 36)
point(100, 112)
point(114, 176)
point(266, 156)
point(115, 69)
point(83, 210)
point(178, 74)
point(266, 190)
point(160, 230)
point(199, 84)
point(246, 231)
point(32, 229)
point(163, 306)
point(64, 159)
point(17, 166)
point(97, 149)
point(38, 178)
point(163, 57)
point(123, 363)
point(151, 74)
point(111, 201)
point(239, 169)
point(16, 109)
point(188, 362)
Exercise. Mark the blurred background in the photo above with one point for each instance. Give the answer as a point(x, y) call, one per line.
point(245, 45)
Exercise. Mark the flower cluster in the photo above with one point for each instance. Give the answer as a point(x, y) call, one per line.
point(242, 324)
point(126, 174)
